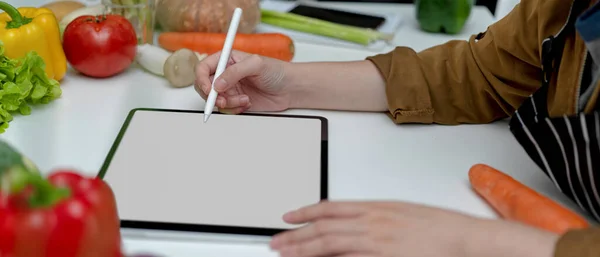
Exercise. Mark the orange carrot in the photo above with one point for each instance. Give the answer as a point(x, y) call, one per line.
point(274, 45)
point(515, 201)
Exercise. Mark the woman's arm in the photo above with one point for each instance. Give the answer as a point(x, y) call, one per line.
point(354, 86)
point(507, 238)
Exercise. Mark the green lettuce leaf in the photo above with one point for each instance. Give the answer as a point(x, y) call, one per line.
point(23, 82)
point(3, 127)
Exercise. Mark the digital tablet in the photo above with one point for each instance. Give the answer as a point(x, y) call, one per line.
point(235, 174)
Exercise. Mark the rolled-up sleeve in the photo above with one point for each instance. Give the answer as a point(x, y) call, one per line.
point(408, 102)
point(579, 243)
point(479, 80)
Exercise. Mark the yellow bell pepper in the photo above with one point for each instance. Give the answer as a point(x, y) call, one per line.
point(28, 29)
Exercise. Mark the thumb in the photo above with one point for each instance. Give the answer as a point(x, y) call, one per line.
point(249, 66)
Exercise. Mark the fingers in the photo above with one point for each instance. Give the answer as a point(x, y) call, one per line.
point(200, 91)
point(236, 110)
point(229, 100)
point(314, 230)
point(325, 210)
point(204, 70)
point(249, 66)
point(207, 67)
point(232, 101)
point(328, 245)
point(355, 255)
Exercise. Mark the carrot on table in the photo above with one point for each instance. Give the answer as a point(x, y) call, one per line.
point(515, 201)
point(274, 45)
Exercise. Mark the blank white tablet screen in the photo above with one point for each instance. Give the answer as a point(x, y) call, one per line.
point(234, 170)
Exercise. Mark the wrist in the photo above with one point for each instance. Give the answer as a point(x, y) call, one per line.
point(499, 238)
point(298, 84)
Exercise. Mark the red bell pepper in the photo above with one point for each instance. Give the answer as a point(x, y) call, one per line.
point(63, 215)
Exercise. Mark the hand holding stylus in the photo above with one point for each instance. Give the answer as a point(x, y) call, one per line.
point(212, 97)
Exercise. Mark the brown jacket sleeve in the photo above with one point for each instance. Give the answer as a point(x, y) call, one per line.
point(579, 243)
point(474, 81)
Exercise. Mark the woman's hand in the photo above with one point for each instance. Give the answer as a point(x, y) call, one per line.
point(373, 229)
point(250, 82)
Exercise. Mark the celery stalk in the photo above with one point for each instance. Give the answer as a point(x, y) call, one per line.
point(138, 12)
point(130, 8)
point(359, 38)
point(305, 19)
point(323, 28)
point(114, 9)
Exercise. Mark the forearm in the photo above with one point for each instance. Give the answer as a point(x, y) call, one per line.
point(354, 86)
point(506, 239)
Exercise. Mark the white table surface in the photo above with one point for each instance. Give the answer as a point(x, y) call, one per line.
point(370, 158)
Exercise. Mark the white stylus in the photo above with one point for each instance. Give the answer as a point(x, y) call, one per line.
point(212, 96)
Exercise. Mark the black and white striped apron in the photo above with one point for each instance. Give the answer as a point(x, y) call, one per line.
point(566, 148)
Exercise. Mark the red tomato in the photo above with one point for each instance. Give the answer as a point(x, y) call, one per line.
point(100, 46)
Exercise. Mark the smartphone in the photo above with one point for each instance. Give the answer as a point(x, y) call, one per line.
point(339, 16)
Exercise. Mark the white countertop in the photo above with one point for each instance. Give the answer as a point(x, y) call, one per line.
point(419, 163)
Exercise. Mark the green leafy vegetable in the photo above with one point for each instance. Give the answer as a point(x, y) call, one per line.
point(23, 82)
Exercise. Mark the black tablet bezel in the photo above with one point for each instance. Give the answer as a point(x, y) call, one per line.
point(203, 228)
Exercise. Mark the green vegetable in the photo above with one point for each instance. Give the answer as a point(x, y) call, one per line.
point(11, 159)
point(128, 8)
point(323, 28)
point(23, 82)
point(443, 16)
point(140, 13)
